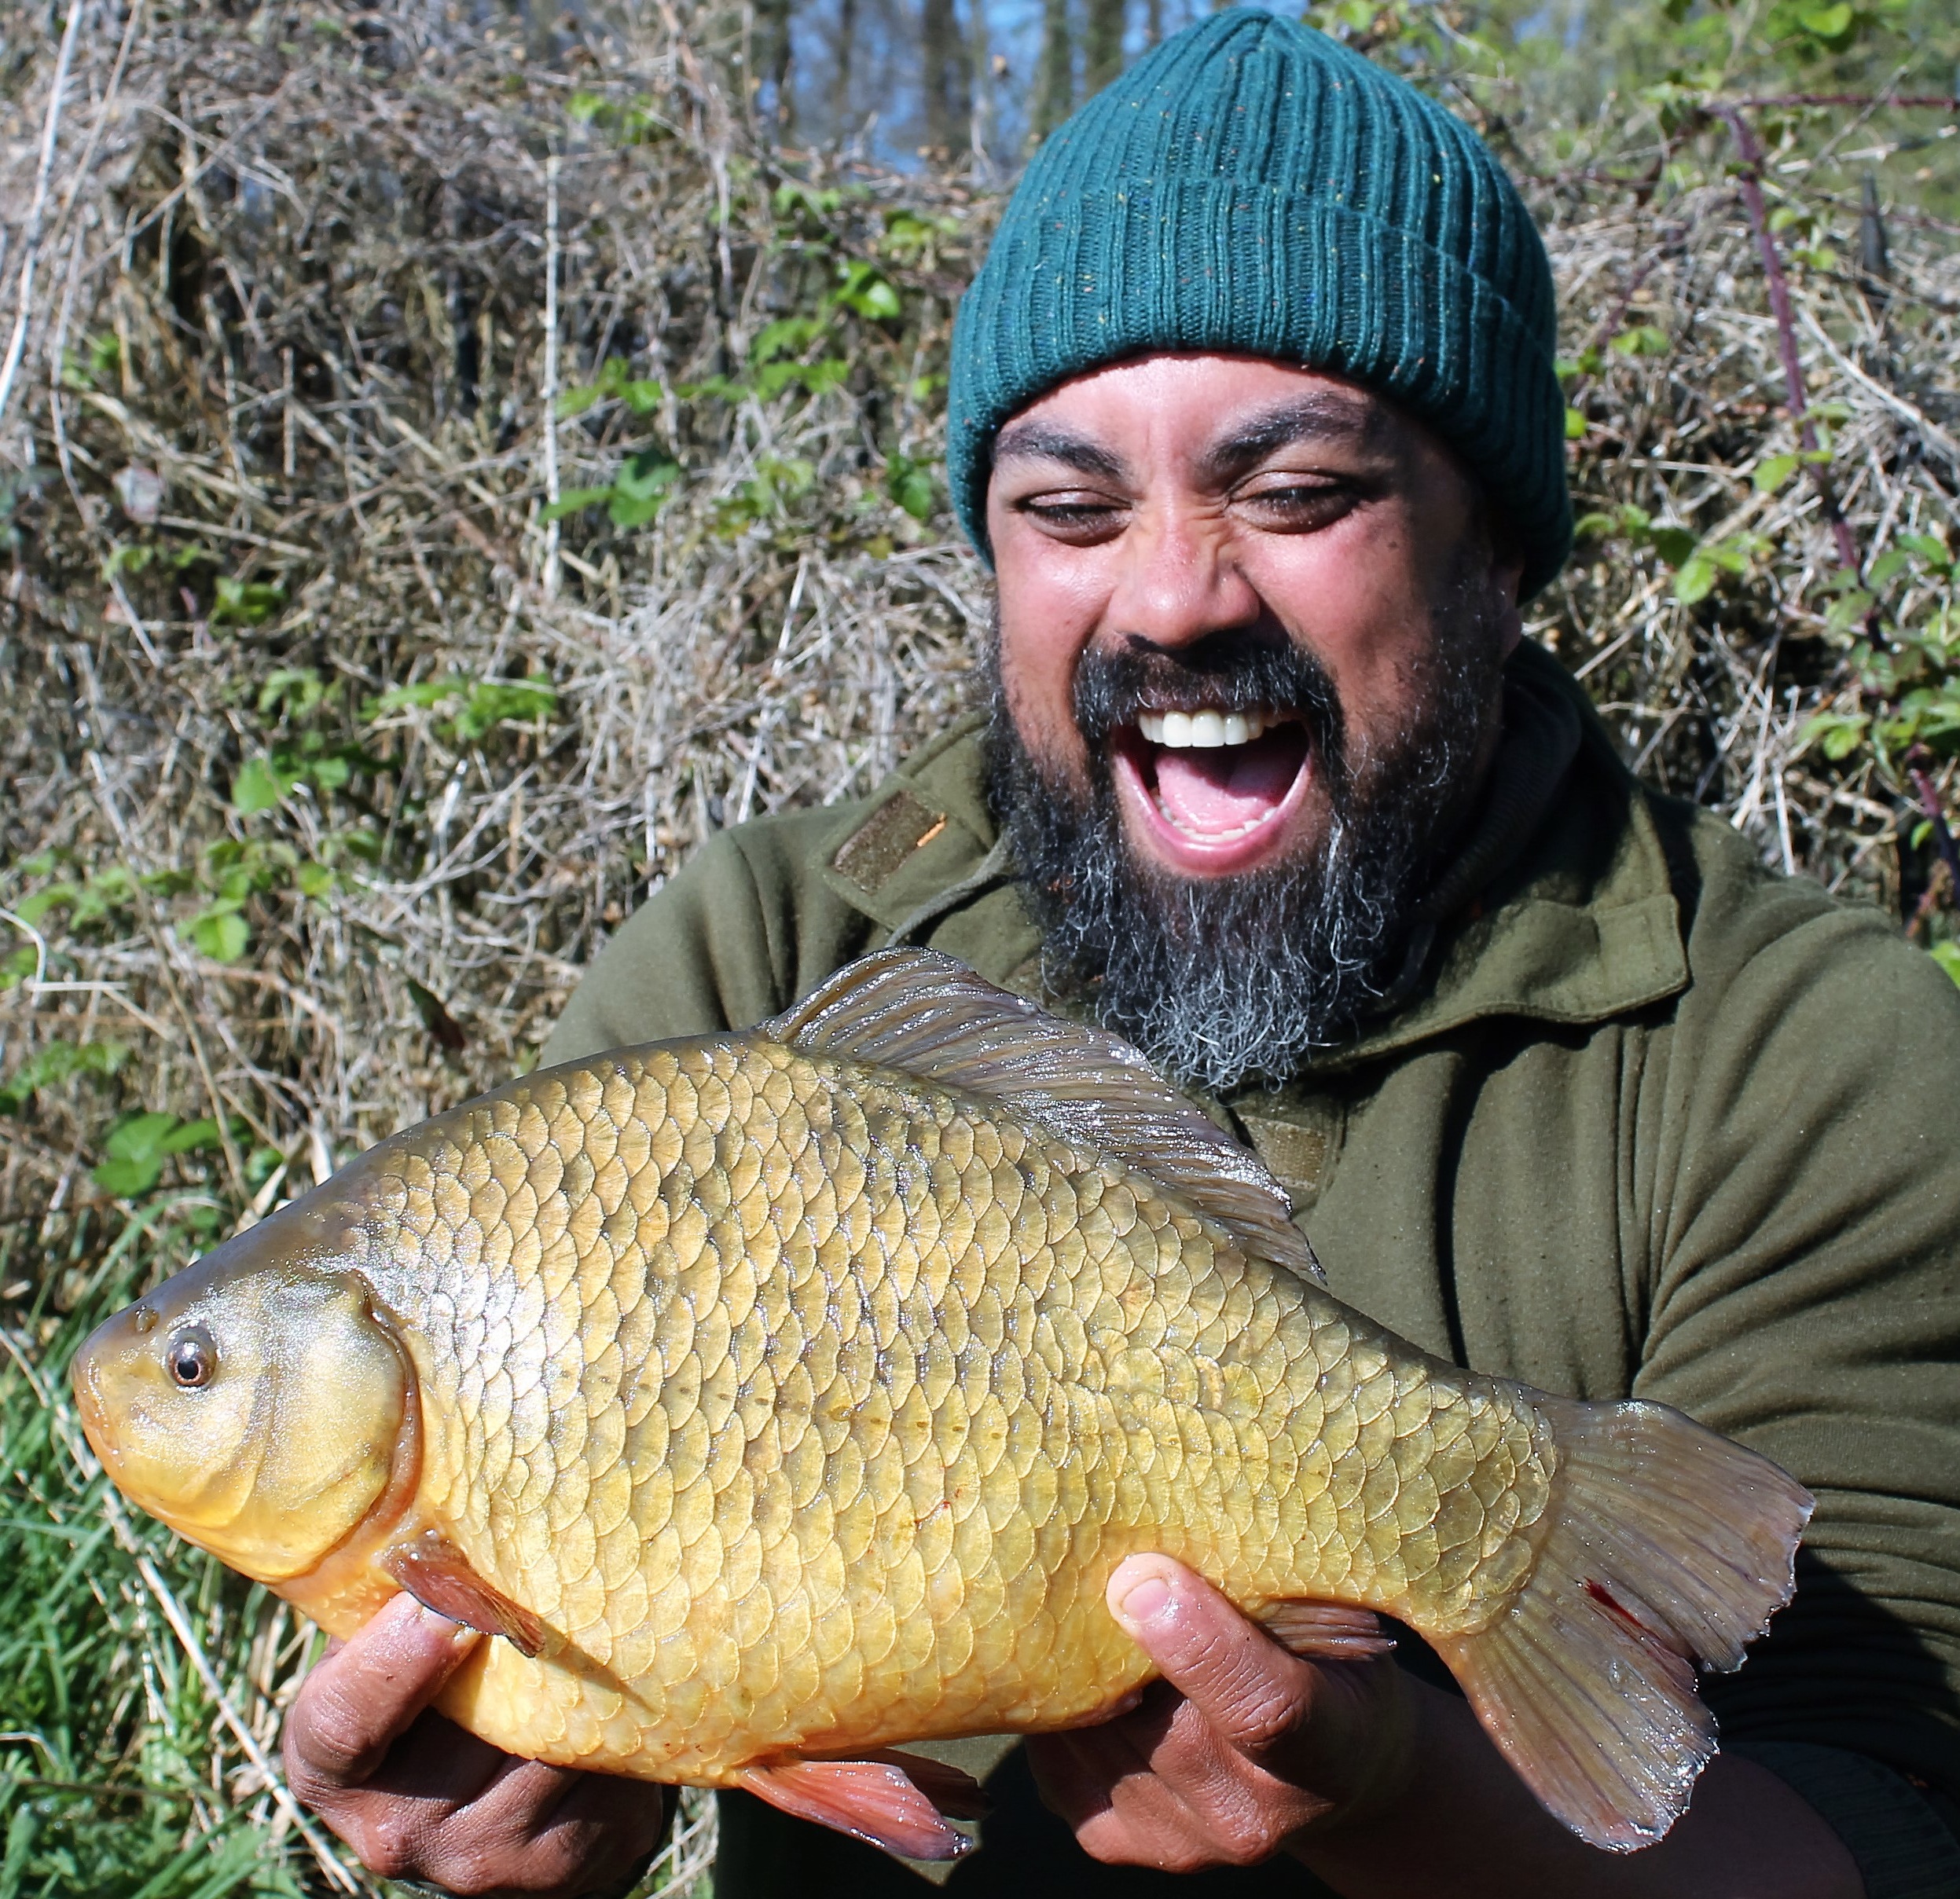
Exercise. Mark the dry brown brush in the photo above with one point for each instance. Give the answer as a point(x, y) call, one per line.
point(440, 487)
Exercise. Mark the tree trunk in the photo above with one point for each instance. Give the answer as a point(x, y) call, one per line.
point(980, 53)
point(840, 98)
point(1055, 89)
point(1153, 22)
point(769, 50)
point(946, 93)
point(1102, 48)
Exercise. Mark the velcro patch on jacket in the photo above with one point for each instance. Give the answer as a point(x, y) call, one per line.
point(1297, 1155)
point(891, 833)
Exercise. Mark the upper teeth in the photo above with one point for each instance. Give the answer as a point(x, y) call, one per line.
point(1184, 729)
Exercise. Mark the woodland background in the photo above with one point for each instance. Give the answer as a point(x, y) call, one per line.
point(453, 457)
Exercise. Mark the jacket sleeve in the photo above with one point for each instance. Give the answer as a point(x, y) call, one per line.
point(1803, 1275)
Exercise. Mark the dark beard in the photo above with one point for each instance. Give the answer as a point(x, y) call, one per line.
point(1220, 981)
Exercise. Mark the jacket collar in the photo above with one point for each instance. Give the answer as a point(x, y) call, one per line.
point(1559, 908)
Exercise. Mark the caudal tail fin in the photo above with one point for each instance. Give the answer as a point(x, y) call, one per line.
point(1671, 1547)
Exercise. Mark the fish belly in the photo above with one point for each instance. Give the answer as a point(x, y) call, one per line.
point(810, 1407)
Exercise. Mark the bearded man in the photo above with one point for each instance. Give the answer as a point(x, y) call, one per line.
point(1254, 413)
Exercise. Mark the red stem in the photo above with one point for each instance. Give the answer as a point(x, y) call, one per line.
point(1751, 186)
point(1942, 838)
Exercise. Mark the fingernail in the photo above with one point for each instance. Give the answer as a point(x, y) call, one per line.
point(1144, 1600)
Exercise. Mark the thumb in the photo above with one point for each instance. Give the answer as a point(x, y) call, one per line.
point(350, 1709)
point(1253, 1693)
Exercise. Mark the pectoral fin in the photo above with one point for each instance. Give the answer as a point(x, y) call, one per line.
point(899, 1801)
point(439, 1576)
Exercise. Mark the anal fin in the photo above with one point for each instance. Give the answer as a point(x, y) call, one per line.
point(1326, 1631)
point(896, 1801)
point(439, 1576)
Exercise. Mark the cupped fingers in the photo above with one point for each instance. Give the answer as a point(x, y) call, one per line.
point(545, 1833)
point(1119, 1811)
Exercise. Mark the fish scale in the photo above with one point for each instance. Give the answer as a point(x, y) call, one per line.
point(812, 1468)
point(787, 1394)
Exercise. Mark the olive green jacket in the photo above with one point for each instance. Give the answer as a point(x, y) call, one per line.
point(1651, 1121)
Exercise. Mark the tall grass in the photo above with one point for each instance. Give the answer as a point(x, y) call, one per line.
point(122, 1774)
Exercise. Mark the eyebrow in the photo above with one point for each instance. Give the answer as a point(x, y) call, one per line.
point(1040, 441)
point(1315, 418)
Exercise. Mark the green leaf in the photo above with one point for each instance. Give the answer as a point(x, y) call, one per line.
point(787, 337)
point(867, 292)
point(1642, 339)
point(1772, 472)
point(257, 787)
point(572, 500)
point(492, 702)
point(1826, 22)
point(220, 932)
point(1591, 526)
point(136, 1150)
point(190, 1137)
point(640, 489)
point(1575, 424)
point(314, 880)
point(126, 1179)
point(909, 483)
point(246, 603)
point(293, 692)
point(57, 1062)
point(1929, 548)
point(1840, 733)
point(1673, 544)
point(1948, 956)
point(1696, 579)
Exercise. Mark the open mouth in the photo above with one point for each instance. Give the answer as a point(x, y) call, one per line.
point(1215, 789)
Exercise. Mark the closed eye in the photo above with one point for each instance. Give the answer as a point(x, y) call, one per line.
point(1296, 507)
point(1075, 516)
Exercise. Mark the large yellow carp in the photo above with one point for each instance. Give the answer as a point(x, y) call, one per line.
point(784, 1395)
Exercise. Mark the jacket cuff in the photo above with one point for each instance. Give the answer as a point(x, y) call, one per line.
point(1903, 1842)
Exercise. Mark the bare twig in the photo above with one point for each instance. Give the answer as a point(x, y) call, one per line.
point(31, 236)
point(1750, 152)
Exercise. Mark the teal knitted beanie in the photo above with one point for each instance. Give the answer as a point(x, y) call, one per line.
point(1250, 185)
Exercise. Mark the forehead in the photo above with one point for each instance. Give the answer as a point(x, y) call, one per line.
point(1176, 404)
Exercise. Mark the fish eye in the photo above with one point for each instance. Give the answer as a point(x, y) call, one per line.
point(191, 1358)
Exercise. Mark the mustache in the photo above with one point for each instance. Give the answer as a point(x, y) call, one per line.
point(1226, 672)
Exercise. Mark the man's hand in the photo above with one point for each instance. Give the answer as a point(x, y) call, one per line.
point(1385, 1788)
point(1240, 1746)
point(418, 1798)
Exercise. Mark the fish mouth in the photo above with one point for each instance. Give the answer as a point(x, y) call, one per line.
point(88, 1374)
point(88, 1402)
point(1212, 791)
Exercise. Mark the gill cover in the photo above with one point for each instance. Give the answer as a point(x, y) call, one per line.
point(258, 1412)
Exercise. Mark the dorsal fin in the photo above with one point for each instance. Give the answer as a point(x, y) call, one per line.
point(922, 1013)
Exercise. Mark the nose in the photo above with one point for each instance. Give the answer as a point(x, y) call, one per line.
point(1178, 579)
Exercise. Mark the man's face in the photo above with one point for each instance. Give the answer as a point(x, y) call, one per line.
point(1250, 625)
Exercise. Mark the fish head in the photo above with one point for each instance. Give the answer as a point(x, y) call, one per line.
point(255, 1403)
